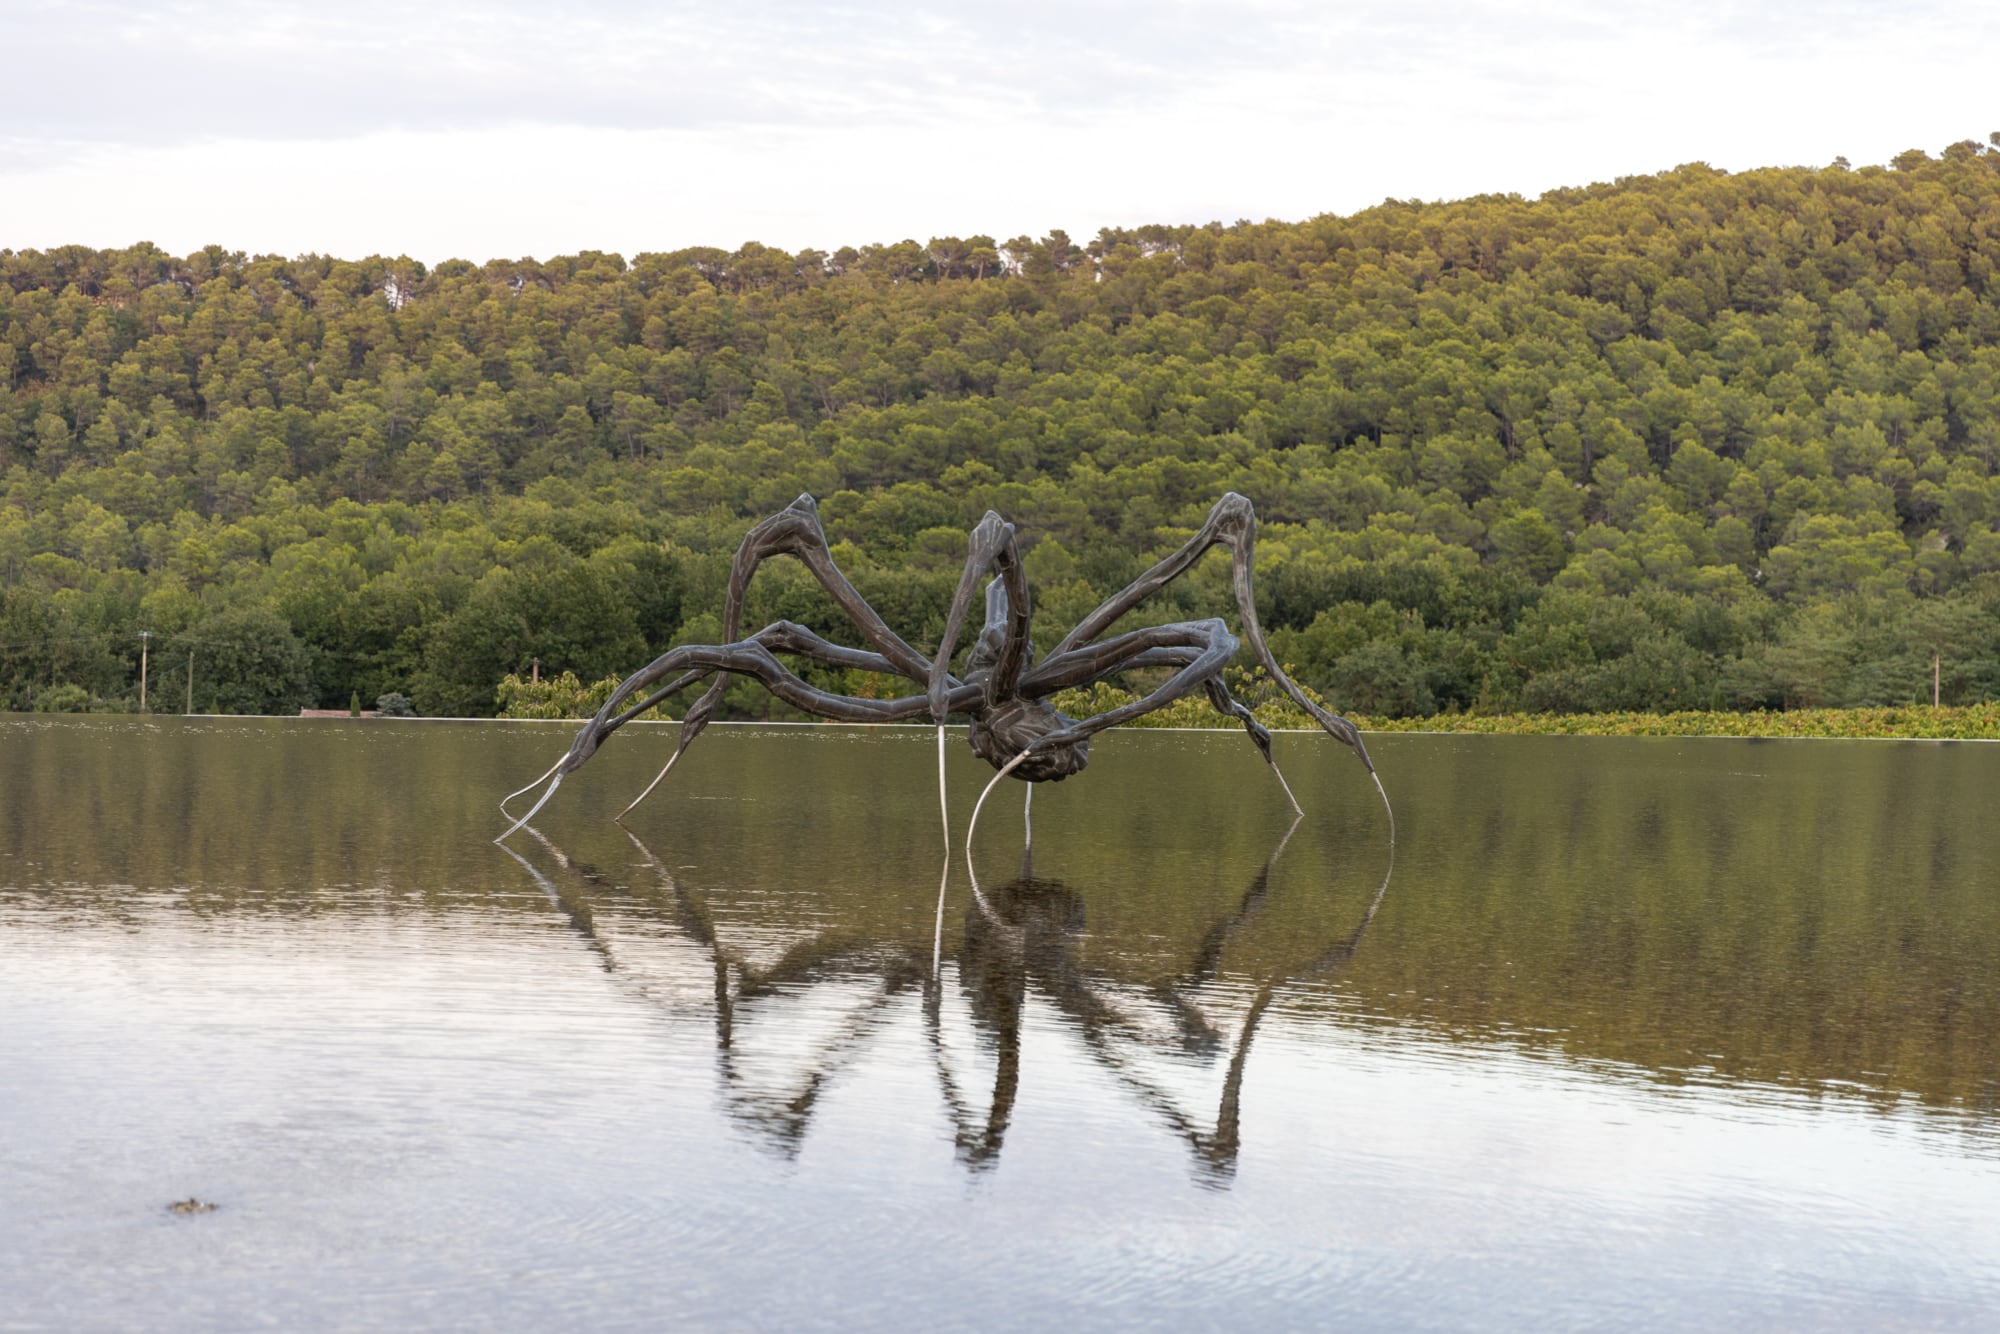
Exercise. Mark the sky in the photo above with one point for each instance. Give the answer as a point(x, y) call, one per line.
point(508, 129)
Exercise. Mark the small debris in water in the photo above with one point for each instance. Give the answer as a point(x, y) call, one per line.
point(192, 1206)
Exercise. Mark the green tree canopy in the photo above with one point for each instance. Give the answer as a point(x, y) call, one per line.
point(1771, 397)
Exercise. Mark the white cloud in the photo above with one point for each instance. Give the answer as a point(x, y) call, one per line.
point(510, 129)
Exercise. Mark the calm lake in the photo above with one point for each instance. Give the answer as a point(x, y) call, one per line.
point(1648, 1034)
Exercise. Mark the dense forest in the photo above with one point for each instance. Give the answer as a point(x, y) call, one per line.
point(1686, 440)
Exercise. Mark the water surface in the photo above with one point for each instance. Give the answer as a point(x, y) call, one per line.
point(1640, 1033)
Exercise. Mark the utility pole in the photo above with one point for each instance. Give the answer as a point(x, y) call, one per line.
point(1936, 658)
point(535, 666)
point(143, 636)
point(190, 703)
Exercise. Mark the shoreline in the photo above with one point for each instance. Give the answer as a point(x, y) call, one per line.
point(1904, 723)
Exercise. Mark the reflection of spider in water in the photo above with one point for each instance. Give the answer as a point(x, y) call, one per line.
point(1020, 949)
point(1005, 690)
point(1024, 935)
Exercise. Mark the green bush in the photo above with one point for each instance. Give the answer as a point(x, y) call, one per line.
point(561, 696)
point(63, 699)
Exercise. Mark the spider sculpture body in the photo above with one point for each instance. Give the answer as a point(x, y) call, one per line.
point(1005, 688)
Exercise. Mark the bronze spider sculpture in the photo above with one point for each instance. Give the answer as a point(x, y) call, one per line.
point(1005, 689)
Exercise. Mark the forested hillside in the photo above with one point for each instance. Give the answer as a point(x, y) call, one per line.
point(1693, 439)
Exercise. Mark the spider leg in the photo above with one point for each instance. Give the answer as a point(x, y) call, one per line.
point(1231, 512)
point(1174, 645)
point(795, 531)
point(1232, 523)
point(1178, 646)
point(786, 637)
point(1227, 704)
point(1214, 646)
point(750, 658)
point(780, 637)
point(991, 548)
point(1156, 646)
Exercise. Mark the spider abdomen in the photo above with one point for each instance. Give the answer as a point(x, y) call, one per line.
point(999, 733)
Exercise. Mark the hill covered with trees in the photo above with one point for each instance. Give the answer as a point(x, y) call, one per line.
point(1686, 440)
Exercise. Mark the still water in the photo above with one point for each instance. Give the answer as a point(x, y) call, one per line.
point(1621, 1034)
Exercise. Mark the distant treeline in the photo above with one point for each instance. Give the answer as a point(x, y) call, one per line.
point(1693, 440)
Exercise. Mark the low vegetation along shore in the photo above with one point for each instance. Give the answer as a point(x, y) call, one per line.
point(1920, 722)
point(564, 697)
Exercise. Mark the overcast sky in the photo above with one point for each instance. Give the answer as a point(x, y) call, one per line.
point(506, 129)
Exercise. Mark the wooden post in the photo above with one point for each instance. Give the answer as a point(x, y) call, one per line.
point(1936, 658)
point(535, 667)
point(190, 703)
point(143, 635)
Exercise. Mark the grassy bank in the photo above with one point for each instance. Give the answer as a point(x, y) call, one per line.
point(1970, 722)
point(564, 697)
